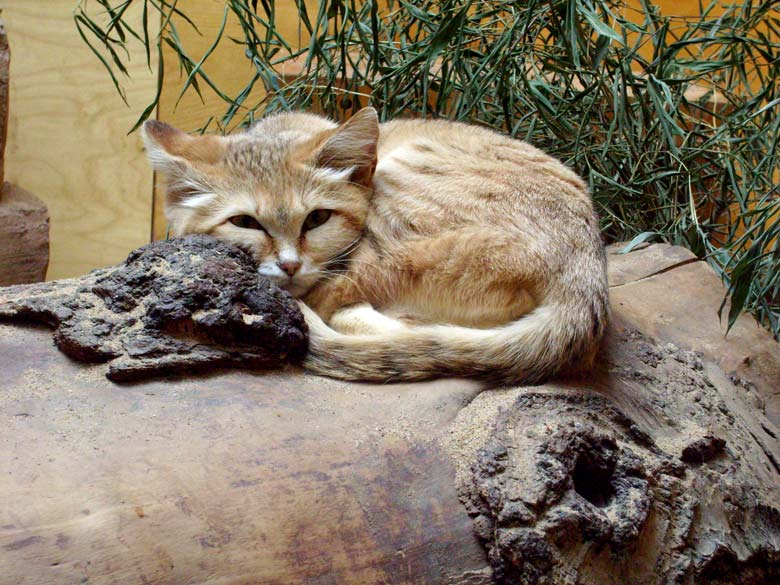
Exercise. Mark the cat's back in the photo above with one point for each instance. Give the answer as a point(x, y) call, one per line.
point(437, 166)
point(442, 150)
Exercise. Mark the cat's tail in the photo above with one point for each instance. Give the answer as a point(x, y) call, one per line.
point(553, 337)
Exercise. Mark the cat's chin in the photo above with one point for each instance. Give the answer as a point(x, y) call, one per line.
point(296, 290)
point(295, 287)
point(301, 284)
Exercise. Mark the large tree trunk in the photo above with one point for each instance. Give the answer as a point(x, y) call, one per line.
point(659, 468)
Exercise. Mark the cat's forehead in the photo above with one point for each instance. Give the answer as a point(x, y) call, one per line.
point(271, 174)
point(271, 149)
point(259, 156)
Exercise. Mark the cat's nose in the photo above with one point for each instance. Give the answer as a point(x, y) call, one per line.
point(289, 266)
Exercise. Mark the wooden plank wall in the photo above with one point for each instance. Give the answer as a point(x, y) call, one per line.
point(68, 142)
point(67, 139)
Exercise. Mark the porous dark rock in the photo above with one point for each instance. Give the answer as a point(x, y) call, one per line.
point(703, 449)
point(172, 306)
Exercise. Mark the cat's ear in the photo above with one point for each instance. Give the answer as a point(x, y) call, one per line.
point(170, 150)
point(184, 160)
point(352, 146)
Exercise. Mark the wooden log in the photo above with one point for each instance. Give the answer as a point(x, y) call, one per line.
point(24, 237)
point(659, 468)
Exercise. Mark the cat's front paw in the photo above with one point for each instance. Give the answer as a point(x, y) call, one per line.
point(363, 319)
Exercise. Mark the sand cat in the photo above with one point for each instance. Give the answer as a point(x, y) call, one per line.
point(417, 248)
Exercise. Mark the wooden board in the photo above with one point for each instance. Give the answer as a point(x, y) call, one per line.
point(67, 138)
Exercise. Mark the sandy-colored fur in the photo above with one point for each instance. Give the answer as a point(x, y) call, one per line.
point(451, 249)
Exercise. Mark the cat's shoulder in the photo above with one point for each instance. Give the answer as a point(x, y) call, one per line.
point(422, 134)
point(282, 122)
point(413, 126)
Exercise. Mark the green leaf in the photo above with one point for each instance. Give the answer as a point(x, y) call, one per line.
point(638, 240)
point(598, 25)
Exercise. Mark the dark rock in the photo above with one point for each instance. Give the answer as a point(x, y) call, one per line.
point(173, 305)
point(702, 450)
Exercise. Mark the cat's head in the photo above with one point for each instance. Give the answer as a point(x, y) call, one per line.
point(293, 190)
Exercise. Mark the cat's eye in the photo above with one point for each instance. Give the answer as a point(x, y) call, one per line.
point(316, 218)
point(247, 222)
